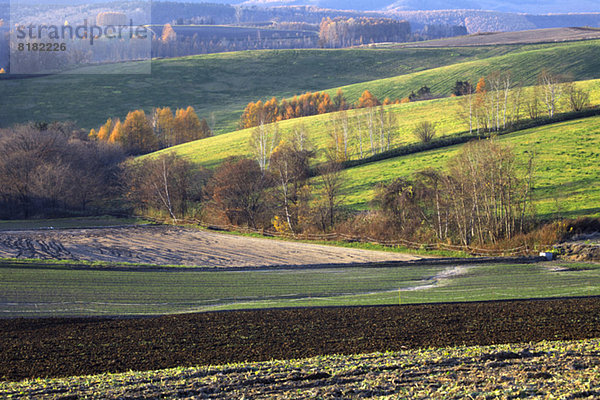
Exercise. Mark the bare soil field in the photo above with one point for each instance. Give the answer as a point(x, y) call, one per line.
point(56, 347)
point(551, 35)
point(165, 245)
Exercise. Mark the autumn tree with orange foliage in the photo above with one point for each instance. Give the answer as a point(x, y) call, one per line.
point(168, 34)
point(304, 105)
point(367, 100)
point(105, 130)
point(138, 137)
point(163, 124)
point(188, 127)
point(116, 134)
point(140, 133)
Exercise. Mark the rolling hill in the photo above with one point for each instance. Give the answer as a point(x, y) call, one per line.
point(566, 168)
point(223, 84)
point(217, 83)
point(581, 59)
point(502, 38)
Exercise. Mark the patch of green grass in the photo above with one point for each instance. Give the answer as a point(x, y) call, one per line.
point(77, 264)
point(54, 290)
point(214, 83)
point(445, 113)
point(65, 223)
point(579, 60)
point(222, 84)
point(212, 151)
point(566, 168)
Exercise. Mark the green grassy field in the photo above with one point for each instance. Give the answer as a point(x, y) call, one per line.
point(446, 113)
point(215, 83)
point(212, 151)
point(566, 168)
point(55, 290)
point(65, 223)
point(224, 83)
point(579, 60)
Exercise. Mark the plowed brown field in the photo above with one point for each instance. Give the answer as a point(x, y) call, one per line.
point(164, 245)
point(66, 347)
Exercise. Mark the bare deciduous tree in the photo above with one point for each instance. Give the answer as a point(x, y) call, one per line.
point(262, 142)
point(237, 190)
point(577, 98)
point(425, 131)
point(552, 90)
point(331, 182)
point(290, 170)
point(167, 183)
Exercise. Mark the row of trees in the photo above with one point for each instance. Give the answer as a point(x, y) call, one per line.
point(140, 133)
point(497, 102)
point(494, 104)
point(362, 134)
point(239, 192)
point(482, 196)
point(345, 32)
point(184, 45)
point(53, 170)
point(304, 105)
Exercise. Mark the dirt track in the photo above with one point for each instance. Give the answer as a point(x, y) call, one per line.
point(163, 245)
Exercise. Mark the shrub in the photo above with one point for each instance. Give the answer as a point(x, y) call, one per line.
point(425, 131)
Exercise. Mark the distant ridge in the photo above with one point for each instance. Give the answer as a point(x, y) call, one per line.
point(492, 21)
point(507, 6)
point(313, 11)
point(550, 35)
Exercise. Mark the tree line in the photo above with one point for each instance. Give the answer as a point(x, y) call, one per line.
point(482, 196)
point(280, 197)
point(496, 102)
point(140, 133)
point(169, 44)
point(54, 170)
point(346, 32)
point(307, 104)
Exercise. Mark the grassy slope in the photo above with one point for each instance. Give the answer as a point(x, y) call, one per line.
point(580, 60)
point(445, 112)
point(30, 290)
point(219, 83)
point(567, 167)
point(212, 151)
point(583, 62)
